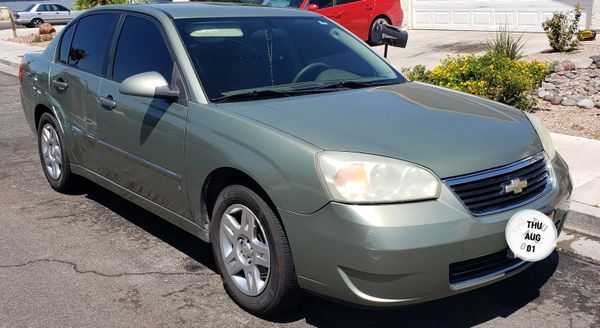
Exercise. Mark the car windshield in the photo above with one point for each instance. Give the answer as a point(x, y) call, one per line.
point(279, 56)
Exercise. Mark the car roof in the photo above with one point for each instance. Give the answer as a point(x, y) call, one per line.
point(209, 10)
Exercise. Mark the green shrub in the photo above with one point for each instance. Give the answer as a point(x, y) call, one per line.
point(506, 44)
point(491, 76)
point(87, 4)
point(562, 29)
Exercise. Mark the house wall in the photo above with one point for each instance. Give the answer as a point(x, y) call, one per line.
point(595, 24)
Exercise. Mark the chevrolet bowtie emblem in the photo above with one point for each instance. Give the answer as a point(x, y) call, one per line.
point(515, 186)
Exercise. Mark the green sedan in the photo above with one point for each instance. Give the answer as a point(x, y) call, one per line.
point(306, 159)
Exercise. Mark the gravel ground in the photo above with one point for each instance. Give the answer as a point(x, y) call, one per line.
point(586, 49)
point(27, 39)
point(573, 121)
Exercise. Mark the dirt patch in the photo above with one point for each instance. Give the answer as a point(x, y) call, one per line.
point(461, 47)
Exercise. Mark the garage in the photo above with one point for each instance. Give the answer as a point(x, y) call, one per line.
point(486, 15)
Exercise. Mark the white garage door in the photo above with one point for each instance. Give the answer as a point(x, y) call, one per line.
point(485, 15)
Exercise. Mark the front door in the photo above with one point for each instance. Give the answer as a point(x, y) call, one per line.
point(143, 138)
point(356, 16)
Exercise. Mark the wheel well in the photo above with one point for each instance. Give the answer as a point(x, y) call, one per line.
point(220, 178)
point(381, 16)
point(37, 113)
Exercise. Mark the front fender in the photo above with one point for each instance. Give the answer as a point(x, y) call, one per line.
point(281, 164)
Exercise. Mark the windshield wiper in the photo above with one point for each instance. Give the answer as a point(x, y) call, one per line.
point(254, 94)
point(353, 85)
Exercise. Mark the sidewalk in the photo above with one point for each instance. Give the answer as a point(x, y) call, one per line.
point(11, 53)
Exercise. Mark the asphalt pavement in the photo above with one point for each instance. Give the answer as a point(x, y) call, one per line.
point(94, 259)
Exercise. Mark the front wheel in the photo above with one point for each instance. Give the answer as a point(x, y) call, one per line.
point(252, 252)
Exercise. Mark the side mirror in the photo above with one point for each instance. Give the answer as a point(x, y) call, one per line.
point(312, 7)
point(149, 85)
point(390, 35)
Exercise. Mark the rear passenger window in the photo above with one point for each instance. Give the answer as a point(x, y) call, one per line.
point(65, 44)
point(141, 48)
point(90, 42)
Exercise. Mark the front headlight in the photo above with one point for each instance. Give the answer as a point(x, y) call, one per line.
point(362, 178)
point(543, 134)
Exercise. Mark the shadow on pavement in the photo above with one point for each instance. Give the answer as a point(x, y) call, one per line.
point(160, 228)
point(463, 310)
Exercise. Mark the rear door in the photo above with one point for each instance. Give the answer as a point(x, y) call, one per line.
point(75, 77)
point(63, 15)
point(143, 138)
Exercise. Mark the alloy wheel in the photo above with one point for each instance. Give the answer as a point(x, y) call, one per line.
point(51, 152)
point(244, 249)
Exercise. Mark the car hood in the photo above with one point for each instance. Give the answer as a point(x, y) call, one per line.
point(449, 132)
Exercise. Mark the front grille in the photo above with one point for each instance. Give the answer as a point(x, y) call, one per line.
point(485, 192)
point(481, 267)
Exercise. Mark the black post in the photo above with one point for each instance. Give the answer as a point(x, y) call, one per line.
point(385, 50)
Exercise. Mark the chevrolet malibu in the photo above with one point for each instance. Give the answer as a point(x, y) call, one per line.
point(305, 159)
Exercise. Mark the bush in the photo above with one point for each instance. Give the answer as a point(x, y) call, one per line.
point(506, 44)
point(562, 29)
point(491, 76)
point(87, 4)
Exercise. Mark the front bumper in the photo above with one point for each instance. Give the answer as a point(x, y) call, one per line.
point(389, 255)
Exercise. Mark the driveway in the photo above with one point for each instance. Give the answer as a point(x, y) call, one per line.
point(94, 259)
point(428, 47)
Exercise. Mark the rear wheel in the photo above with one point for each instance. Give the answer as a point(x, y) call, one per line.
point(252, 252)
point(36, 22)
point(53, 157)
point(376, 21)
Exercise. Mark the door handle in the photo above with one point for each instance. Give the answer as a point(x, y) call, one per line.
point(60, 85)
point(335, 15)
point(369, 7)
point(108, 102)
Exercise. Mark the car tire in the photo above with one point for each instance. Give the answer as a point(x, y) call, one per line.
point(36, 22)
point(54, 159)
point(239, 247)
point(377, 20)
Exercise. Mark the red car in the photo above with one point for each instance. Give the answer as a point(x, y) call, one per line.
point(358, 16)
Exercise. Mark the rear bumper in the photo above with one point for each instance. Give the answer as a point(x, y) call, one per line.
point(390, 255)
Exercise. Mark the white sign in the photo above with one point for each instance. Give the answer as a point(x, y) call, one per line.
point(531, 235)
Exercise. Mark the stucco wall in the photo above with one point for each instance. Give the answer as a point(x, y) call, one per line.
point(407, 13)
point(595, 24)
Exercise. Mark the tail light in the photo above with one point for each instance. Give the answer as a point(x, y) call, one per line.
point(17, 16)
point(21, 72)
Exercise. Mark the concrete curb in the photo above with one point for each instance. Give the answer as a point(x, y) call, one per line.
point(584, 219)
point(9, 63)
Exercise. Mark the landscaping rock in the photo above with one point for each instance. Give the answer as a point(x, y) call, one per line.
point(596, 59)
point(556, 100)
point(568, 65)
point(568, 102)
point(559, 68)
point(582, 62)
point(548, 86)
point(46, 29)
point(544, 94)
point(549, 97)
point(586, 103)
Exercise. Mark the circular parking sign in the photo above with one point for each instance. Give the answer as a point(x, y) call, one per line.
point(531, 235)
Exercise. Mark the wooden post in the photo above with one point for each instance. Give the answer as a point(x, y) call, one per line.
point(12, 23)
